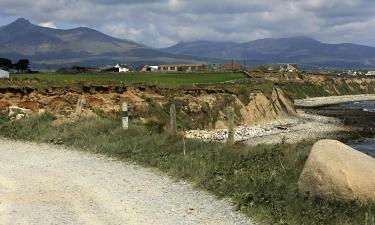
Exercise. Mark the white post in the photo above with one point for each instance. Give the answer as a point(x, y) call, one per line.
point(125, 116)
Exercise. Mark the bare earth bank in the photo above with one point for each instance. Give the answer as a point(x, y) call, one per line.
point(43, 184)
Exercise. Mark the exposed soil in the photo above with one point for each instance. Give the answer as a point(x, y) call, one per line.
point(196, 108)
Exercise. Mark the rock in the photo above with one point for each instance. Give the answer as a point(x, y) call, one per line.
point(20, 116)
point(41, 112)
point(335, 171)
point(14, 110)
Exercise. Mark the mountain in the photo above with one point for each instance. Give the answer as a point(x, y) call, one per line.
point(83, 46)
point(304, 51)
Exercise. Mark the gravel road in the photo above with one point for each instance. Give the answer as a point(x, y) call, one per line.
point(43, 184)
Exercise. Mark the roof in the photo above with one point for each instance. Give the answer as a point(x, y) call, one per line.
point(181, 65)
point(232, 66)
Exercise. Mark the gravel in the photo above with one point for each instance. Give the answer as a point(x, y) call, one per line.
point(305, 126)
point(44, 184)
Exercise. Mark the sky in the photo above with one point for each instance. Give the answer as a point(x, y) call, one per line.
point(161, 23)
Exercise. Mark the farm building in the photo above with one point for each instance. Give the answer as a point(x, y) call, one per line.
point(4, 74)
point(232, 66)
point(148, 68)
point(182, 67)
point(121, 68)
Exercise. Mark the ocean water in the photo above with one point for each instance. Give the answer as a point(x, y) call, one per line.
point(367, 145)
point(368, 106)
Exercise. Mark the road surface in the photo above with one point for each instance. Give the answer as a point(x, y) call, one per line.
point(44, 184)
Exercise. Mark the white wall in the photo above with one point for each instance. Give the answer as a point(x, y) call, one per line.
point(4, 74)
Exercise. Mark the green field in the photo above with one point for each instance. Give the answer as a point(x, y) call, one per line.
point(131, 78)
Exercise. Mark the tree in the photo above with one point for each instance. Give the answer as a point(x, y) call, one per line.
point(5, 63)
point(22, 65)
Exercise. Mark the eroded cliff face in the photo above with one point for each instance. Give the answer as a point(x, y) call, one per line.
point(196, 108)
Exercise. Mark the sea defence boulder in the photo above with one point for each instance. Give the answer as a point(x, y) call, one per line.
point(335, 171)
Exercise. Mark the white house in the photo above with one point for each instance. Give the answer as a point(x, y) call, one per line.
point(4, 74)
point(121, 68)
point(371, 73)
point(148, 68)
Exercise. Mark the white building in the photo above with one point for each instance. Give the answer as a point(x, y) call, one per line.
point(4, 74)
point(370, 73)
point(148, 68)
point(121, 68)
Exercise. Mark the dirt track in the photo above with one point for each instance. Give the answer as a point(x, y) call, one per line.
point(42, 184)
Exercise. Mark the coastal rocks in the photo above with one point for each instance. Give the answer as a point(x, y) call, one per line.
point(17, 113)
point(335, 171)
point(303, 126)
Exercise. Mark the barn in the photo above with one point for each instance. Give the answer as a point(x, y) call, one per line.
point(4, 74)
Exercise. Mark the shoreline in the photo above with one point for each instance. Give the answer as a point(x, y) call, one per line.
point(305, 126)
point(332, 100)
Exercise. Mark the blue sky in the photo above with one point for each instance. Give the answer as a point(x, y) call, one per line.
point(160, 23)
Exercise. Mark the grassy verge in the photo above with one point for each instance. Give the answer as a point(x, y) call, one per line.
point(262, 181)
point(138, 77)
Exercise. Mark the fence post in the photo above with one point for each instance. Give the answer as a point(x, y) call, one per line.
point(125, 116)
point(231, 140)
point(79, 108)
point(173, 120)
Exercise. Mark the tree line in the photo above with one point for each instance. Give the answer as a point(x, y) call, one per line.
point(21, 66)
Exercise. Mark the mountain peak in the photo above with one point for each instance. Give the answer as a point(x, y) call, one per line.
point(21, 22)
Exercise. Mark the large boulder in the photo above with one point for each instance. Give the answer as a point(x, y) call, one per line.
point(335, 171)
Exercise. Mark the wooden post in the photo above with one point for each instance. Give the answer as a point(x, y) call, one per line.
point(125, 116)
point(79, 108)
point(230, 140)
point(184, 145)
point(173, 120)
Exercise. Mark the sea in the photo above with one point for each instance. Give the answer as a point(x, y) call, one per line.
point(365, 145)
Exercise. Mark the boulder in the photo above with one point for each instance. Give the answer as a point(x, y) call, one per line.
point(335, 171)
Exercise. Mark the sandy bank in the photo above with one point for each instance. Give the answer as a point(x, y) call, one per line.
point(331, 100)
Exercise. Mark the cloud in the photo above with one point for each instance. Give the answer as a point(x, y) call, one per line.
point(160, 23)
point(48, 24)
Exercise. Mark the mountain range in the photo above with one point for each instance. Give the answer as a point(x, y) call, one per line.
point(84, 46)
point(304, 51)
point(80, 46)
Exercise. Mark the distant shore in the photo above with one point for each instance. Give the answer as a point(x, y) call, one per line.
point(332, 100)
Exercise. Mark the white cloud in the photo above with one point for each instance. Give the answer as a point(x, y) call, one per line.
point(48, 24)
point(160, 23)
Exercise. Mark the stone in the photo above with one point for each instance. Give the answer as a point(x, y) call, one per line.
point(14, 110)
point(20, 116)
point(337, 172)
point(41, 112)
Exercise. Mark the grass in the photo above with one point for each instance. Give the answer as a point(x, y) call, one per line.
point(138, 77)
point(262, 180)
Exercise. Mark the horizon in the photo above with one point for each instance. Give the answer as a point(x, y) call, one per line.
point(163, 23)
